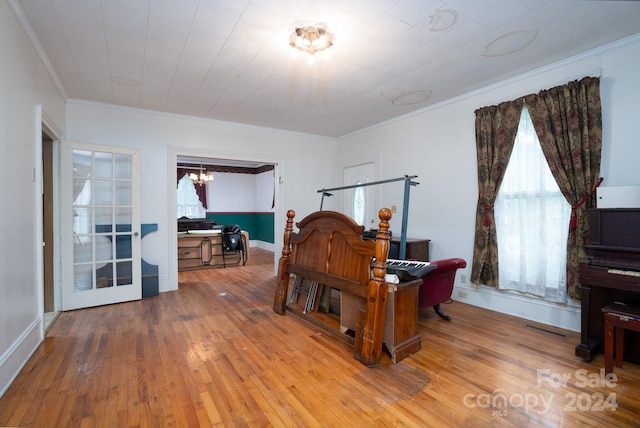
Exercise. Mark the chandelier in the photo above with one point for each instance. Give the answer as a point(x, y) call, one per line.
point(311, 39)
point(202, 178)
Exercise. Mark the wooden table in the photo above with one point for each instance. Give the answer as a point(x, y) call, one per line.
point(401, 336)
point(203, 249)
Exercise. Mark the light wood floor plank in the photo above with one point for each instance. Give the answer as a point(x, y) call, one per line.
point(214, 353)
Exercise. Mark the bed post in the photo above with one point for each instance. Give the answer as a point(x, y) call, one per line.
point(368, 343)
point(282, 280)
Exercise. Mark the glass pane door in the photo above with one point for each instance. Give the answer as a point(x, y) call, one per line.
point(360, 202)
point(99, 205)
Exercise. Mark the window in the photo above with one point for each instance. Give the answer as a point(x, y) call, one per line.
point(532, 221)
point(189, 204)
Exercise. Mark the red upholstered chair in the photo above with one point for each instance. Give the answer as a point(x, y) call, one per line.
point(437, 285)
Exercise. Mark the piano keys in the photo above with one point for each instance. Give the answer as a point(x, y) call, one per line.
point(610, 273)
point(408, 270)
point(623, 272)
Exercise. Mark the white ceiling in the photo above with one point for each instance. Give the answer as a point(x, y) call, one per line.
point(230, 59)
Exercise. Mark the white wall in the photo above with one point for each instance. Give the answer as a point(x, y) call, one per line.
point(305, 163)
point(265, 193)
point(620, 88)
point(235, 192)
point(251, 193)
point(438, 145)
point(232, 192)
point(24, 84)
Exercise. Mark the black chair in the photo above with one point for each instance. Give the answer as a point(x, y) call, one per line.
point(233, 243)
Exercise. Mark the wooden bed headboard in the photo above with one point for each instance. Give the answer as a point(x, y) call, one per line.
point(328, 248)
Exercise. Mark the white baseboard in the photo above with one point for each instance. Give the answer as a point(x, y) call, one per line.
point(264, 245)
point(565, 316)
point(14, 359)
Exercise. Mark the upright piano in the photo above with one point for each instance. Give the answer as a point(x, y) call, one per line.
point(610, 273)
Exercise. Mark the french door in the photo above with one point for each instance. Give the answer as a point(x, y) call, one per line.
point(100, 215)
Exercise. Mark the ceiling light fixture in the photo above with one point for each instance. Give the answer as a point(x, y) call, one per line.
point(202, 178)
point(311, 39)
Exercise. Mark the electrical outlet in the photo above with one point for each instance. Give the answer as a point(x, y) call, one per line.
point(393, 208)
point(462, 294)
point(463, 279)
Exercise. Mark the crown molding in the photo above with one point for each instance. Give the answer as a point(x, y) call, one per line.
point(37, 46)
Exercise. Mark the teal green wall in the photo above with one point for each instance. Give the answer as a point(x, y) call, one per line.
point(259, 225)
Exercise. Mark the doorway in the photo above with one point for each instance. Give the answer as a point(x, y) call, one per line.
point(266, 199)
point(45, 175)
point(50, 312)
point(360, 203)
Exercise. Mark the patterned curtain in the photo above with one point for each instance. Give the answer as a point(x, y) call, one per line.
point(496, 129)
point(568, 122)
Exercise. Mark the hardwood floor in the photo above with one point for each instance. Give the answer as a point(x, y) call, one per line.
point(214, 353)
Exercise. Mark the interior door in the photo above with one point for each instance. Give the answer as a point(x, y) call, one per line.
point(100, 218)
point(47, 223)
point(360, 202)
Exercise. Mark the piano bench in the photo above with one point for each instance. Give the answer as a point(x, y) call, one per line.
point(617, 318)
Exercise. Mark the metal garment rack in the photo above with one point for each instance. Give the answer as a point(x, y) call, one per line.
point(408, 182)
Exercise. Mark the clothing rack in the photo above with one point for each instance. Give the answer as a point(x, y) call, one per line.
point(408, 182)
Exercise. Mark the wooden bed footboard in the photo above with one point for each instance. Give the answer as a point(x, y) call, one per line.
point(328, 249)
